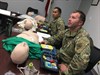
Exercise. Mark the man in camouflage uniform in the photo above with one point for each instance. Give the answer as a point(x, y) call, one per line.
point(57, 25)
point(74, 54)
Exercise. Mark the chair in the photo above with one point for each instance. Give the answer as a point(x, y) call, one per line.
point(3, 5)
point(30, 9)
point(5, 22)
point(94, 57)
point(8, 29)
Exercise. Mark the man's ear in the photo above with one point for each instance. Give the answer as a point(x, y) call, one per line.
point(81, 23)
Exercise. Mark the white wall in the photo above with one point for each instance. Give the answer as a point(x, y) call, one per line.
point(22, 5)
point(85, 5)
point(92, 24)
point(67, 7)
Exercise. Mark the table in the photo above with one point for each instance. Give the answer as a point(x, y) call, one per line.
point(7, 65)
point(7, 20)
point(10, 14)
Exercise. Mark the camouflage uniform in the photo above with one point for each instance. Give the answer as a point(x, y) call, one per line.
point(56, 26)
point(75, 50)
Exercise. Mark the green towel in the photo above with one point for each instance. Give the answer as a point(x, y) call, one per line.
point(34, 49)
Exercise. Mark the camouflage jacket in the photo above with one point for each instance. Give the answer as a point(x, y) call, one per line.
point(56, 26)
point(75, 50)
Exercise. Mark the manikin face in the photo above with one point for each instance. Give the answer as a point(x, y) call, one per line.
point(74, 20)
point(55, 13)
point(28, 24)
point(30, 13)
point(20, 53)
point(22, 46)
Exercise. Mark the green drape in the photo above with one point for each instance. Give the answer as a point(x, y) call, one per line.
point(10, 43)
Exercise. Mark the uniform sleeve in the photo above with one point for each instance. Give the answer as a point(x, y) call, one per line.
point(81, 57)
point(46, 23)
point(56, 39)
point(60, 26)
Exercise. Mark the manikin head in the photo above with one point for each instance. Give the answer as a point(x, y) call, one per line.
point(20, 53)
point(30, 13)
point(40, 18)
point(28, 24)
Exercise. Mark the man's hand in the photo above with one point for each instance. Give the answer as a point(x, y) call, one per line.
point(63, 67)
point(44, 42)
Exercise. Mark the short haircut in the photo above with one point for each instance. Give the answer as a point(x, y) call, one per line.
point(82, 15)
point(59, 9)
